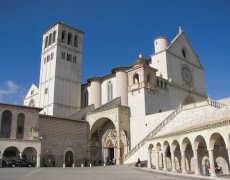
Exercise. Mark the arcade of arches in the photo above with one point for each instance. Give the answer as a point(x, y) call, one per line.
point(200, 154)
point(106, 144)
point(28, 153)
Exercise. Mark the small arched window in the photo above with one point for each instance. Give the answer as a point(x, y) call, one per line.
point(63, 36)
point(54, 36)
point(50, 38)
point(6, 124)
point(109, 91)
point(69, 41)
point(20, 126)
point(46, 42)
point(136, 79)
point(75, 41)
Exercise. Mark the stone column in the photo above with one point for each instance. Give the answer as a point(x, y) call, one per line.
point(157, 160)
point(183, 163)
point(118, 154)
point(173, 161)
point(1, 156)
point(63, 161)
point(197, 172)
point(164, 161)
point(211, 161)
point(149, 158)
point(20, 155)
point(228, 155)
point(38, 161)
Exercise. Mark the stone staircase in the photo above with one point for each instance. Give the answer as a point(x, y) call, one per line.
point(215, 104)
point(154, 132)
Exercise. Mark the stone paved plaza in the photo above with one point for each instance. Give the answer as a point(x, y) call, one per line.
point(93, 173)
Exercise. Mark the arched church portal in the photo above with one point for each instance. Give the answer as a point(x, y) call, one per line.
point(104, 142)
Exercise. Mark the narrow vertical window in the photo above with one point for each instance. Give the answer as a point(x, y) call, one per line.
point(48, 58)
point(50, 38)
point(75, 59)
point(86, 98)
point(63, 36)
point(110, 91)
point(75, 41)
point(63, 55)
point(69, 40)
point(46, 90)
point(46, 42)
point(20, 126)
point(135, 78)
point(54, 36)
point(6, 124)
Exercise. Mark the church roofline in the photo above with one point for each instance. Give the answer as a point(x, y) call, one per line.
point(117, 69)
point(20, 106)
point(61, 23)
point(61, 118)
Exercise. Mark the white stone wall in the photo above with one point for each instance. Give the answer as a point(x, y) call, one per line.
point(60, 76)
point(159, 62)
point(122, 87)
point(32, 96)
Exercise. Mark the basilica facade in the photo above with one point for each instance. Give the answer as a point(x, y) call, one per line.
point(155, 109)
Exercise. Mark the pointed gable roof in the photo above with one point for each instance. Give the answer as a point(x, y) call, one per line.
point(32, 87)
point(180, 42)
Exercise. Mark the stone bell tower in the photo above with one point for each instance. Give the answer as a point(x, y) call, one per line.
point(60, 72)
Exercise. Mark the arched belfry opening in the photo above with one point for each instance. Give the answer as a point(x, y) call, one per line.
point(107, 144)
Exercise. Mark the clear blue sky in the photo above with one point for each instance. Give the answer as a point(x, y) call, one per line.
point(115, 32)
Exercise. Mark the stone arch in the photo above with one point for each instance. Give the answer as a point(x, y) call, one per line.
point(213, 138)
point(102, 131)
point(200, 146)
point(220, 153)
point(167, 154)
point(69, 157)
point(159, 159)
point(29, 154)
point(6, 121)
point(188, 155)
point(177, 154)
point(150, 148)
point(158, 146)
point(10, 153)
